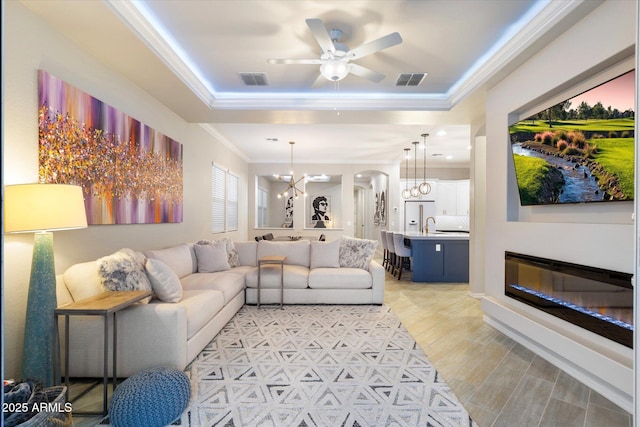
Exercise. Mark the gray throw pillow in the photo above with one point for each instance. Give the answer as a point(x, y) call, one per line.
point(123, 271)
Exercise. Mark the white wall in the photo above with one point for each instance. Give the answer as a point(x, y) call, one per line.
point(599, 235)
point(29, 45)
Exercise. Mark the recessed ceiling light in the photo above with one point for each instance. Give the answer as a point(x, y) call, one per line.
point(449, 157)
point(442, 132)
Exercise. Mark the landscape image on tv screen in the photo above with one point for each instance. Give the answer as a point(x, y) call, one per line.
point(579, 150)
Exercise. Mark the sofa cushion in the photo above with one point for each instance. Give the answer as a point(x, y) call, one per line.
point(247, 253)
point(164, 281)
point(297, 253)
point(243, 269)
point(201, 306)
point(325, 254)
point(342, 278)
point(181, 259)
point(295, 277)
point(356, 253)
point(123, 271)
point(82, 280)
point(229, 283)
point(211, 258)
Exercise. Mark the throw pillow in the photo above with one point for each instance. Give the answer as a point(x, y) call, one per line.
point(164, 281)
point(325, 254)
point(356, 253)
point(123, 271)
point(232, 254)
point(234, 259)
point(211, 258)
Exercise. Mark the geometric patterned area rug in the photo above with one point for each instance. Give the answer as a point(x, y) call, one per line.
point(324, 365)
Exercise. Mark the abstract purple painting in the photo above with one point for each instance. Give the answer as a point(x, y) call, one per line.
point(129, 172)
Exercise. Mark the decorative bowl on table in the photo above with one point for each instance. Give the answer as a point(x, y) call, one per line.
point(294, 238)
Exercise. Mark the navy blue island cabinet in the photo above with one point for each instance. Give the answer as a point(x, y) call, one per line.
point(439, 259)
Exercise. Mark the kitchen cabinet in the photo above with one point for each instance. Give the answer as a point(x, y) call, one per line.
point(463, 204)
point(439, 259)
point(453, 197)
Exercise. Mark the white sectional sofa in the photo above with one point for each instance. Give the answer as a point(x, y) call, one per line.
point(199, 287)
point(313, 275)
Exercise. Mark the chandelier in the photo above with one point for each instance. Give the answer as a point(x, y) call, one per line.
point(292, 189)
point(406, 193)
point(425, 187)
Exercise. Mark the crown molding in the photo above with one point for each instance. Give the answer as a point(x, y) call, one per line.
point(139, 20)
point(211, 130)
point(541, 19)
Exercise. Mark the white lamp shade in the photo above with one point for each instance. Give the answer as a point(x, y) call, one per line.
point(334, 69)
point(29, 208)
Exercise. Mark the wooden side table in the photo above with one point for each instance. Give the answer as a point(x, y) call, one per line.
point(106, 305)
point(275, 259)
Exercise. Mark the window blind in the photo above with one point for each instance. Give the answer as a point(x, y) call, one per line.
point(218, 186)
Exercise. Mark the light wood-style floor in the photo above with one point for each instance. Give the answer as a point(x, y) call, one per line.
point(500, 382)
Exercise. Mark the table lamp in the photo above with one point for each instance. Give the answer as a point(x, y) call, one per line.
point(41, 209)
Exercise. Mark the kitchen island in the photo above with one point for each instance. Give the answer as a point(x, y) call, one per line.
point(439, 256)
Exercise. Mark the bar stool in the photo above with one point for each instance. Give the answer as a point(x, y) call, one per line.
point(403, 253)
point(391, 265)
point(385, 249)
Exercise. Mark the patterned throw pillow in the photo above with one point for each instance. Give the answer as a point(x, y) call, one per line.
point(232, 254)
point(123, 271)
point(356, 253)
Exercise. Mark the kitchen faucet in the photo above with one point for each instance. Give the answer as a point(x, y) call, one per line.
point(426, 227)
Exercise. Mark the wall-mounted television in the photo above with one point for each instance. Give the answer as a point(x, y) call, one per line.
point(580, 150)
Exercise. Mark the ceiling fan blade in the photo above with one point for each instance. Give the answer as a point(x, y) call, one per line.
point(361, 71)
point(320, 33)
point(375, 46)
point(295, 61)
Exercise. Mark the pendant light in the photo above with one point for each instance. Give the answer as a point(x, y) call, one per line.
point(415, 192)
point(425, 187)
point(406, 193)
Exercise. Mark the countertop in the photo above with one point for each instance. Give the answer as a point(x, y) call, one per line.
point(437, 235)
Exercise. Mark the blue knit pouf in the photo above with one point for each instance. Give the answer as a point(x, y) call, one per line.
point(153, 397)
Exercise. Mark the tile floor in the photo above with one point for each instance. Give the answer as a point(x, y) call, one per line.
point(500, 382)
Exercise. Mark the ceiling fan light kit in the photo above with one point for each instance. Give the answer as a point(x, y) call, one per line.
point(335, 59)
point(335, 69)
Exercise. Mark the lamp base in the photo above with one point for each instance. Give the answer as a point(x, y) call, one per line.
point(39, 339)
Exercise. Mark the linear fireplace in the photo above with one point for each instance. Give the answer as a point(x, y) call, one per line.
point(595, 299)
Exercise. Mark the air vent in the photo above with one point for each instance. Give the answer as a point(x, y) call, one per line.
point(410, 79)
point(254, 79)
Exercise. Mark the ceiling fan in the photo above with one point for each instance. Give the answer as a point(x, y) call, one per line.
point(335, 61)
